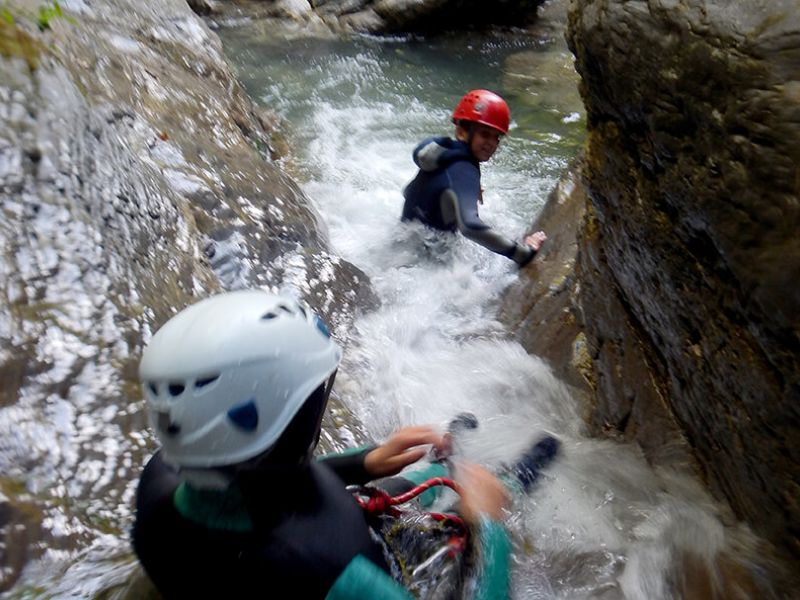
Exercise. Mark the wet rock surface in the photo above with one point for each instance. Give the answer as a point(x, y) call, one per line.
point(679, 290)
point(135, 177)
point(385, 16)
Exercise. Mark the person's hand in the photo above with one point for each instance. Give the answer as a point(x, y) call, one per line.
point(405, 446)
point(482, 493)
point(535, 240)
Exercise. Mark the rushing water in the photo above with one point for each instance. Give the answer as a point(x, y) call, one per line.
point(602, 524)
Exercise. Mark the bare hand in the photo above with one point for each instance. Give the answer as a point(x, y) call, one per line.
point(481, 493)
point(405, 446)
point(535, 240)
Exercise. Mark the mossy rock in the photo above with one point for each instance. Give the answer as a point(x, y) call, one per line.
point(17, 43)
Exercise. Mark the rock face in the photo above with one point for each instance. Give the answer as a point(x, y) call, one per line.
point(135, 177)
point(680, 293)
point(387, 16)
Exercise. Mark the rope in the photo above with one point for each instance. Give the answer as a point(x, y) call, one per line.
point(378, 502)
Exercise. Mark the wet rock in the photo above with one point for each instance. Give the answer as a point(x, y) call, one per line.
point(19, 532)
point(138, 587)
point(443, 15)
point(135, 178)
point(203, 7)
point(393, 16)
point(686, 249)
point(292, 9)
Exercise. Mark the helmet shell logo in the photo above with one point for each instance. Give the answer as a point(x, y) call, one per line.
point(479, 107)
point(321, 326)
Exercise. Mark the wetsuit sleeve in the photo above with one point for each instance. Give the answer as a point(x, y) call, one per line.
point(349, 464)
point(495, 548)
point(363, 580)
point(460, 200)
point(428, 497)
point(427, 154)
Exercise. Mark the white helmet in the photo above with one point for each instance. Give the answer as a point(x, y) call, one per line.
point(224, 377)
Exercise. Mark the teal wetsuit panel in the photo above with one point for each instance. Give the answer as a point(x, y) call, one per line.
point(363, 580)
point(428, 497)
point(495, 549)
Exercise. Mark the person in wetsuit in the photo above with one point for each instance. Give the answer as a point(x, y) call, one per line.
point(233, 505)
point(446, 191)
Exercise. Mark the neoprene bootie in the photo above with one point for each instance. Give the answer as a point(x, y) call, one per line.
point(528, 468)
point(462, 422)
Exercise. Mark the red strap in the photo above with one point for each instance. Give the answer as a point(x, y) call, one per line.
point(379, 502)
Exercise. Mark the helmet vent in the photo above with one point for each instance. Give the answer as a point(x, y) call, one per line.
point(176, 389)
point(151, 385)
point(245, 416)
point(282, 308)
point(166, 425)
point(204, 381)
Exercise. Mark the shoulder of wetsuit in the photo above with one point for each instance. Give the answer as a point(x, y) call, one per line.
point(440, 152)
point(457, 151)
point(157, 484)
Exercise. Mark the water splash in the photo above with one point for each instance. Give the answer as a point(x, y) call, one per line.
point(601, 523)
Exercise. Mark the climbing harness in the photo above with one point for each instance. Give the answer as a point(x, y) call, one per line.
point(417, 540)
point(378, 501)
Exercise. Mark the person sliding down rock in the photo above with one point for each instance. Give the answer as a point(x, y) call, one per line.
point(422, 544)
point(446, 191)
point(234, 506)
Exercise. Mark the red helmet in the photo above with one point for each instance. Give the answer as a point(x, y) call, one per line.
point(483, 106)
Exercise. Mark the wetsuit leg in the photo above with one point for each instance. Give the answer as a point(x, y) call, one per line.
point(394, 486)
point(529, 466)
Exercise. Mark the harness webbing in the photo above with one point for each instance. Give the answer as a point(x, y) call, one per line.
point(375, 501)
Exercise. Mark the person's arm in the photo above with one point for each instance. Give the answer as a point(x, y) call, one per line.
point(428, 153)
point(363, 580)
point(349, 464)
point(460, 200)
point(495, 549)
point(483, 498)
point(405, 446)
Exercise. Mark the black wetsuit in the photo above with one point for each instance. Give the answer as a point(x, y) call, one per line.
point(299, 534)
point(304, 533)
point(445, 194)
